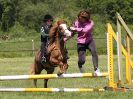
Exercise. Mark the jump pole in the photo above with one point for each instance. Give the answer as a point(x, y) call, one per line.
point(51, 89)
point(51, 76)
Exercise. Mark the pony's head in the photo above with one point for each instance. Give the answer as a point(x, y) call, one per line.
point(62, 24)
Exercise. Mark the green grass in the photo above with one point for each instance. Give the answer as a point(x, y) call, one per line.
point(19, 66)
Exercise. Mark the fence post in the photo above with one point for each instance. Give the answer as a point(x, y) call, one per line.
point(119, 54)
point(33, 48)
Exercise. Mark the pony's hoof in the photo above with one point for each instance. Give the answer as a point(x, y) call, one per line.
point(59, 73)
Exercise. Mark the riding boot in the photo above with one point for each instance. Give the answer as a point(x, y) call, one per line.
point(43, 53)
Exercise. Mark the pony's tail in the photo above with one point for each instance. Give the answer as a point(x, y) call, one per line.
point(32, 70)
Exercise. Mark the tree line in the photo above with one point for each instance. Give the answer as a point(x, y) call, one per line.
point(28, 14)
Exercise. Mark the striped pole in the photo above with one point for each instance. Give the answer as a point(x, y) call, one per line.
point(51, 89)
point(51, 76)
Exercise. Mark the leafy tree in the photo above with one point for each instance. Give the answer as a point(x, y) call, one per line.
point(124, 7)
point(29, 13)
point(7, 14)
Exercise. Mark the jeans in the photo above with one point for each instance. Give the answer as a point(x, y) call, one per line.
point(81, 48)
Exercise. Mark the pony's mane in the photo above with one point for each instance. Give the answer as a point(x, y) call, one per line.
point(54, 28)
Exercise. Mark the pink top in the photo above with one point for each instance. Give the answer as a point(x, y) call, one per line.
point(84, 31)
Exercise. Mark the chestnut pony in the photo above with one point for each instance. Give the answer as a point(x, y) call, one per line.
point(56, 53)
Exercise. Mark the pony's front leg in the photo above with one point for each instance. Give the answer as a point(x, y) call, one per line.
point(63, 68)
point(60, 63)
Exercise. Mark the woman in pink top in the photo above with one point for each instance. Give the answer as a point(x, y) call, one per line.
point(84, 27)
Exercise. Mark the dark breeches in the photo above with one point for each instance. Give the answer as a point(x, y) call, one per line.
point(43, 49)
point(82, 53)
point(44, 44)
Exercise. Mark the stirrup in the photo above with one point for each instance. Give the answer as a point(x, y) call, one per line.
point(43, 60)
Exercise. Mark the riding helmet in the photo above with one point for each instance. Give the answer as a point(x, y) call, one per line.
point(48, 17)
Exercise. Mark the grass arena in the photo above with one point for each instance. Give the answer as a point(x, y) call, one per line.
point(13, 67)
point(113, 77)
